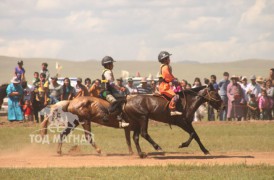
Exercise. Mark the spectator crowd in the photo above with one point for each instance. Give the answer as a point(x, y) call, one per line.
point(245, 98)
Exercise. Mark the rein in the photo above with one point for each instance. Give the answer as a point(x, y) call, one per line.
point(210, 98)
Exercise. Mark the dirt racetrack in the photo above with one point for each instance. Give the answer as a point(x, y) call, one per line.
point(27, 159)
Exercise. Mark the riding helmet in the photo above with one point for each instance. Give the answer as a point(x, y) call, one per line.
point(107, 60)
point(163, 55)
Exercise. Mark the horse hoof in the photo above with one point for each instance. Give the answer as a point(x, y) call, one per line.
point(160, 150)
point(98, 150)
point(59, 152)
point(143, 155)
point(207, 154)
point(131, 153)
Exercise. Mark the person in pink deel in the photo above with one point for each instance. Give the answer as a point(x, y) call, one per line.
point(265, 106)
point(235, 99)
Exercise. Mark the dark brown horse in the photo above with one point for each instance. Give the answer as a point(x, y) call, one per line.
point(3, 93)
point(140, 108)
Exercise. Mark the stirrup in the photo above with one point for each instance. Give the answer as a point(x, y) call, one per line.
point(175, 113)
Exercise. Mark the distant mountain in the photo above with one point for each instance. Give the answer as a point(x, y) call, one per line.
point(188, 62)
point(183, 70)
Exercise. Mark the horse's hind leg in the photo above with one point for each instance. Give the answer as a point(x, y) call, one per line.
point(136, 141)
point(145, 135)
point(89, 137)
point(65, 133)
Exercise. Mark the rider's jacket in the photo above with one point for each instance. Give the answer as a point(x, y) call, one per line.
point(107, 80)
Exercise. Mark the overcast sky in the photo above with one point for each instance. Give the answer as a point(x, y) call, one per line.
point(198, 30)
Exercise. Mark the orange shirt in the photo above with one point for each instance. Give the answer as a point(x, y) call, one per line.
point(164, 87)
point(167, 73)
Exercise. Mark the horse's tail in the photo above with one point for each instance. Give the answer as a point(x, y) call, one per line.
point(60, 105)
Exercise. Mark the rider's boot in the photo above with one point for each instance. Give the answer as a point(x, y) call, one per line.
point(111, 99)
point(122, 122)
point(172, 106)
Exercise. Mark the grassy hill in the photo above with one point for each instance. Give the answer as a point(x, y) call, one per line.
point(93, 69)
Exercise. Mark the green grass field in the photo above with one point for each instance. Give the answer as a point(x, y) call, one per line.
point(216, 136)
point(156, 172)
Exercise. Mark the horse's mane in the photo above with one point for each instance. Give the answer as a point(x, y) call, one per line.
point(192, 91)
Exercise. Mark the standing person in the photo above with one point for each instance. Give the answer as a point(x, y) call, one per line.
point(252, 108)
point(81, 90)
point(27, 91)
point(244, 88)
point(120, 92)
point(45, 70)
point(143, 88)
point(198, 113)
point(108, 87)
point(95, 88)
point(165, 79)
point(41, 97)
point(27, 109)
point(55, 90)
point(183, 84)
point(235, 99)
point(197, 82)
point(265, 105)
point(130, 87)
point(20, 71)
point(223, 93)
point(15, 96)
point(271, 75)
point(210, 109)
point(88, 83)
point(36, 80)
point(270, 94)
point(188, 86)
point(68, 92)
point(253, 87)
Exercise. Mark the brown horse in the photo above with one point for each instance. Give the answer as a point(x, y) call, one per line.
point(140, 108)
point(88, 109)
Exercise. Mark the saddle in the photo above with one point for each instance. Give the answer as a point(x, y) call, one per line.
point(156, 94)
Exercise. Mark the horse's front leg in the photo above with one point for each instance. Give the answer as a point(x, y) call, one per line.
point(187, 143)
point(127, 135)
point(187, 126)
point(64, 133)
point(89, 137)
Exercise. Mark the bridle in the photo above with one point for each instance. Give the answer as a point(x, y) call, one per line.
point(209, 98)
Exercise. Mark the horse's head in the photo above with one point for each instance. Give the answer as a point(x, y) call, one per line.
point(212, 97)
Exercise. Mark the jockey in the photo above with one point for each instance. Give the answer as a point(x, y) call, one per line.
point(108, 86)
point(166, 77)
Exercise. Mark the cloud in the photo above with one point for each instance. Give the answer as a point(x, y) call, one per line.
point(30, 48)
point(203, 31)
